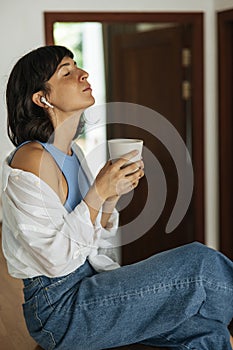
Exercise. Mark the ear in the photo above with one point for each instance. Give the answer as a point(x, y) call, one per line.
point(36, 98)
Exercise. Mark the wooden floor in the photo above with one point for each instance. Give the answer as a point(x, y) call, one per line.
point(13, 332)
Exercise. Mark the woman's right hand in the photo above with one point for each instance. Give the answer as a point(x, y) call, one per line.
point(116, 179)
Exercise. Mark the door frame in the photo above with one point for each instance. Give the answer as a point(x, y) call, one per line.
point(196, 20)
point(225, 73)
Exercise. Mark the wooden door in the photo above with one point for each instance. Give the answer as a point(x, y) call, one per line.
point(225, 31)
point(148, 71)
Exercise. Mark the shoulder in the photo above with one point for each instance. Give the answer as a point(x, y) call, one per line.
point(32, 157)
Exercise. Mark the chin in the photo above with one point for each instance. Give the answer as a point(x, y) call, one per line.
point(87, 104)
point(93, 101)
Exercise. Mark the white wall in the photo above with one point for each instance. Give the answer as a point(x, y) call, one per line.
point(22, 28)
point(221, 5)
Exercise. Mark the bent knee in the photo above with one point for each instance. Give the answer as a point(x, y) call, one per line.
point(197, 249)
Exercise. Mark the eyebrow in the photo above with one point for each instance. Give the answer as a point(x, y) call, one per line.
point(65, 65)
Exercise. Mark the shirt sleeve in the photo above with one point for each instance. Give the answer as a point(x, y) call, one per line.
point(111, 229)
point(56, 240)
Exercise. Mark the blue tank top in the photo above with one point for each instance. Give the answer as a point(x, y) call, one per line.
point(77, 182)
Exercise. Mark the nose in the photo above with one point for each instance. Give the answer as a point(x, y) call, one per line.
point(83, 74)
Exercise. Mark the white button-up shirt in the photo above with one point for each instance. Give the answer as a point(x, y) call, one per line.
point(39, 236)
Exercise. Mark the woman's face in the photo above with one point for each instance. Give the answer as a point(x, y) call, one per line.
point(69, 89)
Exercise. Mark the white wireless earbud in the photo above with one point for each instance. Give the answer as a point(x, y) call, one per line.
point(43, 100)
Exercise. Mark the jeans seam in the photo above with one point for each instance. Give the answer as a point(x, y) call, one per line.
point(46, 294)
point(141, 292)
point(162, 287)
point(218, 286)
point(42, 327)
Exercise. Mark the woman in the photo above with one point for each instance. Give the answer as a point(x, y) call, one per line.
point(56, 219)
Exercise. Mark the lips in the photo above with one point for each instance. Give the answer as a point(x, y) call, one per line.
point(87, 88)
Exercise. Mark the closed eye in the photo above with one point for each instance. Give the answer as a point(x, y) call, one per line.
point(69, 72)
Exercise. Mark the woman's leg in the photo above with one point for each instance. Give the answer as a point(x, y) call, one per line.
point(198, 333)
point(190, 280)
point(146, 300)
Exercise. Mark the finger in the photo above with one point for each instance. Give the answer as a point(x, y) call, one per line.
point(132, 168)
point(141, 174)
point(131, 186)
point(142, 164)
point(136, 176)
point(135, 184)
point(125, 158)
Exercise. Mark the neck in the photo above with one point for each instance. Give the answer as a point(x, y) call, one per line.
point(65, 131)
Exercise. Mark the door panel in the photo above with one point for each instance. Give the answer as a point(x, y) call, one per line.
point(148, 71)
point(225, 31)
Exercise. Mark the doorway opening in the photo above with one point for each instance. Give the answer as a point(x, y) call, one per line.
point(85, 41)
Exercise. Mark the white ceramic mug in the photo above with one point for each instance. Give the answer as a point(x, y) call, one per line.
point(119, 147)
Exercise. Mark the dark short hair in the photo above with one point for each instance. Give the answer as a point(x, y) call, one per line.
point(26, 120)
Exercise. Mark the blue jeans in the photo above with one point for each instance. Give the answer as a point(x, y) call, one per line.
point(181, 298)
